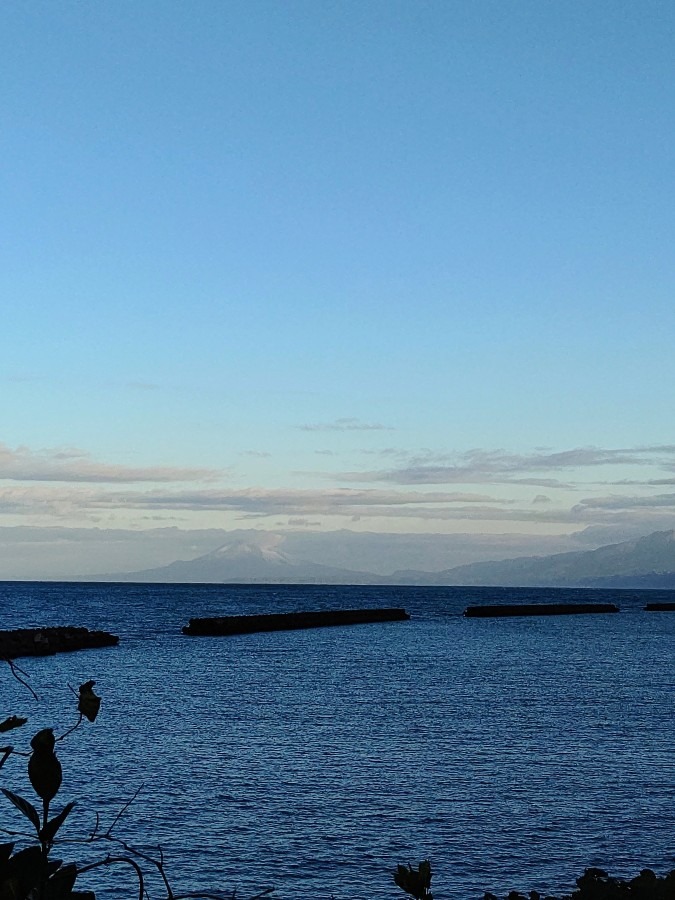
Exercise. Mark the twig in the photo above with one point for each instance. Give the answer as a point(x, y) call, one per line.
point(157, 863)
point(92, 836)
point(119, 815)
point(6, 752)
point(17, 672)
point(133, 851)
point(22, 834)
point(71, 729)
point(115, 859)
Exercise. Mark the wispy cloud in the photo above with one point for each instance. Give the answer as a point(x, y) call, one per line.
point(499, 466)
point(68, 500)
point(92, 504)
point(658, 501)
point(67, 484)
point(347, 424)
point(292, 502)
point(73, 465)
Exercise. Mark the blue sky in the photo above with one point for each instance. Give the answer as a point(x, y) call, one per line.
point(289, 251)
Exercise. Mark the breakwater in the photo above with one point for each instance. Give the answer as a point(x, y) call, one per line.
point(537, 609)
point(660, 607)
point(225, 625)
point(56, 639)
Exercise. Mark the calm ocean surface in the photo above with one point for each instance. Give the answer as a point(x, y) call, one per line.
point(511, 752)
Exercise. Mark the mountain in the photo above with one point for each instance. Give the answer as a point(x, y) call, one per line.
point(241, 562)
point(646, 562)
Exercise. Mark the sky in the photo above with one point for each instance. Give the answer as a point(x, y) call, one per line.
point(401, 270)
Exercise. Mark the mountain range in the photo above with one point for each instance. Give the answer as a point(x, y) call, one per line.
point(648, 562)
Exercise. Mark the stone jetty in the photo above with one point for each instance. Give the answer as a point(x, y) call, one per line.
point(225, 625)
point(537, 609)
point(57, 639)
point(660, 607)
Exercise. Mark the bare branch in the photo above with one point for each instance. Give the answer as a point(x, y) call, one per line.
point(17, 673)
point(119, 815)
point(71, 729)
point(97, 823)
point(22, 834)
point(6, 752)
point(109, 860)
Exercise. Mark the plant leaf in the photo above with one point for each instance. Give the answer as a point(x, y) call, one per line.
point(24, 806)
point(60, 885)
point(49, 831)
point(89, 704)
point(25, 869)
point(5, 852)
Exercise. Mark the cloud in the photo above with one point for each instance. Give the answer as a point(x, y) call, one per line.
point(648, 482)
point(300, 522)
point(345, 425)
point(499, 466)
point(67, 485)
point(274, 501)
point(23, 378)
point(74, 500)
point(73, 465)
point(618, 502)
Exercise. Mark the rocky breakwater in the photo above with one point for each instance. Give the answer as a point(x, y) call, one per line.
point(57, 639)
point(225, 625)
point(538, 609)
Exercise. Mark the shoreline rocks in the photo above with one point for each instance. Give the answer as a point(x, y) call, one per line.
point(48, 641)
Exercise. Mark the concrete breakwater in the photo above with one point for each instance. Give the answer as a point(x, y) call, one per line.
point(224, 625)
point(538, 609)
point(57, 639)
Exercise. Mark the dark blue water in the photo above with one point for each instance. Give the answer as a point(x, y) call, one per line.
point(512, 752)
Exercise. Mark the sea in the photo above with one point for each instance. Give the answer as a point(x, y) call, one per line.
point(511, 752)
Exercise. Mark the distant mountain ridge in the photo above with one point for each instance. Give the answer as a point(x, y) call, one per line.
point(646, 562)
point(643, 563)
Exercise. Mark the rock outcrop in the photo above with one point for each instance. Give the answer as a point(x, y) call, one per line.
point(537, 609)
point(56, 639)
point(224, 625)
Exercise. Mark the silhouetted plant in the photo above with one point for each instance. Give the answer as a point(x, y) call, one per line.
point(596, 884)
point(416, 882)
point(30, 873)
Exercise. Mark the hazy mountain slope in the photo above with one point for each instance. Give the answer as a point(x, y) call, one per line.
point(654, 554)
point(245, 563)
point(645, 562)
